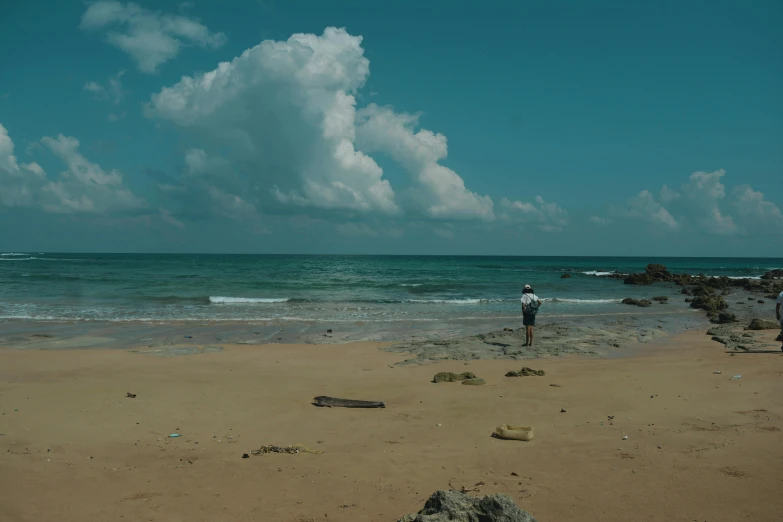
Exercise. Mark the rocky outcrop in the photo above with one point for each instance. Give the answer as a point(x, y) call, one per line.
point(638, 302)
point(565, 276)
point(773, 274)
point(526, 372)
point(639, 279)
point(763, 324)
point(661, 299)
point(453, 506)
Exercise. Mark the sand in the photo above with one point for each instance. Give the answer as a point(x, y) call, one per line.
point(700, 446)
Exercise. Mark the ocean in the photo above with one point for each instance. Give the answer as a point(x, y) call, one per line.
point(330, 289)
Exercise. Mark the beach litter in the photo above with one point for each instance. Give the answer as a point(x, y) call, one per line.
point(555, 386)
point(526, 372)
point(130, 395)
point(717, 372)
point(736, 377)
point(625, 437)
point(453, 377)
point(290, 450)
point(332, 402)
point(174, 435)
point(509, 432)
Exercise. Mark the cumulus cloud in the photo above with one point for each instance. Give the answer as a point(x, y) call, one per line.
point(17, 182)
point(286, 110)
point(645, 206)
point(419, 152)
point(704, 192)
point(84, 187)
point(284, 120)
point(703, 204)
point(547, 216)
point(151, 38)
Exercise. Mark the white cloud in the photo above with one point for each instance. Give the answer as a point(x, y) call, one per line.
point(644, 206)
point(669, 195)
point(18, 183)
point(84, 186)
point(704, 192)
point(112, 91)
point(419, 152)
point(750, 205)
point(151, 38)
point(286, 111)
point(549, 217)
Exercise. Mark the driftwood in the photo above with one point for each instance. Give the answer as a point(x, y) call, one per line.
point(331, 402)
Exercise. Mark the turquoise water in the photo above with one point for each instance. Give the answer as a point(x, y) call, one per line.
point(242, 288)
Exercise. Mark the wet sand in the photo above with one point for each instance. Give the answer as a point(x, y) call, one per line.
point(700, 446)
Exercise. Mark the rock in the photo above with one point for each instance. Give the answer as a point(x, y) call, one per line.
point(760, 301)
point(711, 303)
point(688, 300)
point(454, 506)
point(658, 272)
point(660, 298)
point(773, 274)
point(475, 381)
point(565, 276)
point(451, 376)
point(639, 279)
point(750, 299)
point(724, 318)
point(637, 302)
point(763, 324)
point(526, 372)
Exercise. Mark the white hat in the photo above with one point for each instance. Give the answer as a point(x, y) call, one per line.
point(527, 287)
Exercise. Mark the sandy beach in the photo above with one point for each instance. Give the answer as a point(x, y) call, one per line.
point(700, 446)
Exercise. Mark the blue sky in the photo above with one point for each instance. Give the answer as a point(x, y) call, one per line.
point(576, 128)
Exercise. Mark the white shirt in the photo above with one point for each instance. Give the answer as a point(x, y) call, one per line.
point(780, 299)
point(529, 298)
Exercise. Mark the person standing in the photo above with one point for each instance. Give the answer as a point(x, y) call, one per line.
point(530, 304)
point(778, 304)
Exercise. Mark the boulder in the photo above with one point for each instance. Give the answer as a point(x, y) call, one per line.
point(760, 301)
point(638, 302)
point(639, 279)
point(474, 381)
point(661, 299)
point(658, 272)
point(763, 324)
point(451, 376)
point(724, 318)
point(773, 274)
point(711, 303)
point(565, 276)
point(454, 506)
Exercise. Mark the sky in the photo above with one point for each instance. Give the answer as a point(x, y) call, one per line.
point(406, 127)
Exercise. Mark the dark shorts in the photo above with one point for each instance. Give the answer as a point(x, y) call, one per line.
point(528, 319)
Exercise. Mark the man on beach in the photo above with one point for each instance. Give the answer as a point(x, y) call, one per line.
point(530, 304)
point(778, 304)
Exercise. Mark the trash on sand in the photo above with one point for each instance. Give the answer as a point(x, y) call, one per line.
point(174, 435)
point(292, 450)
point(509, 432)
point(245, 456)
point(717, 372)
point(625, 437)
point(526, 372)
point(736, 377)
point(562, 410)
point(465, 489)
point(332, 402)
point(555, 386)
point(130, 395)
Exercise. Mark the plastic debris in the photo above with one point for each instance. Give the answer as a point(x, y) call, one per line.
point(625, 437)
point(509, 432)
point(736, 377)
point(717, 372)
point(174, 435)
